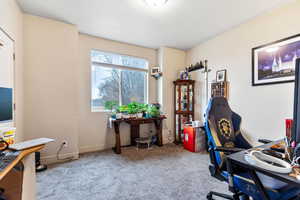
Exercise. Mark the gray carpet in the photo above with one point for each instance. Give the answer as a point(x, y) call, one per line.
point(167, 173)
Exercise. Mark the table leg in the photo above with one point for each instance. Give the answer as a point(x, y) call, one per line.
point(158, 126)
point(134, 133)
point(259, 184)
point(230, 175)
point(117, 148)
point(253, 175)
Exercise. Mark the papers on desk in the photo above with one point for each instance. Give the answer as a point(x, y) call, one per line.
point(30, 143)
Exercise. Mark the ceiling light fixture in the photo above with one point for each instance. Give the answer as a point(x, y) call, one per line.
point(156, 3)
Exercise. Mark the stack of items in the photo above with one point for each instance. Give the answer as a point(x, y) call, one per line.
point(8, 134)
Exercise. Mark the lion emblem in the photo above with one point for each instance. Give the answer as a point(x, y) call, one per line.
point(225, 128)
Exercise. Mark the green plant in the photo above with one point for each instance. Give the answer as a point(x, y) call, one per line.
point(110, 105)
point(133, 108)
point(153, 111)
point(142, 108)
point(122, 109)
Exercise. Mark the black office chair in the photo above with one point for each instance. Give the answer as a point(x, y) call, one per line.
point(224, 137)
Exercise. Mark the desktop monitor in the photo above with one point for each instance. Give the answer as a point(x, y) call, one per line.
point(6, 104)
point(296, 125)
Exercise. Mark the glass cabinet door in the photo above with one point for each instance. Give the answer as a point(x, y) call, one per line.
point(191, 97)
point(184, 97)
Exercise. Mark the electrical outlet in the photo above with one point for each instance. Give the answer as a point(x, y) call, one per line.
point(65, 143)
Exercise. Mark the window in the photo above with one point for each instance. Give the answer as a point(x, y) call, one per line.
point(119, 78)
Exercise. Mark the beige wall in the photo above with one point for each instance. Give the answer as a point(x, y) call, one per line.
point(51, 82)
point(263, 108)
point(93, 131)
point(58, 87)
point(171, 62)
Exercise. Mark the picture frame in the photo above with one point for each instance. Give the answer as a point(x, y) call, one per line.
point(274, 63)
point(155, 70)
point(221, 75)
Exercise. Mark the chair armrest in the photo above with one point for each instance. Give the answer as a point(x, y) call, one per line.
point(228, 149)
point(264, 141)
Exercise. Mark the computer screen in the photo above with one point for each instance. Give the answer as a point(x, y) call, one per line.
point(296, 125)
point(6, 104)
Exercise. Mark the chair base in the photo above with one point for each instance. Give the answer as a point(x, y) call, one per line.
point(227, 196)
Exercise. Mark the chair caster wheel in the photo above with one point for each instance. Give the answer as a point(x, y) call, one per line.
point(209, 196)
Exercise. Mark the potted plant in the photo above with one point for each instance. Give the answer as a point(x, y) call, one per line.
point(133, 109)
point(153, 111)
point(111, 106)
point(118, 114)
point(143, 109)
point(140, 110)
point(123, 110)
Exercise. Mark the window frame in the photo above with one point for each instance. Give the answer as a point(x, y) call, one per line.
point(120, 67)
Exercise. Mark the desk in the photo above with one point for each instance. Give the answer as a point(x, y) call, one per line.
point(11, 178)
point(239, 160)
point(135, 130)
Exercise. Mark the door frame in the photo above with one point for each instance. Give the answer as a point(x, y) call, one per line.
point(13, 121)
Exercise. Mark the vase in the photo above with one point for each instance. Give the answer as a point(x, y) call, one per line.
point(132, 116)
point(119, 116)
point(126, 116)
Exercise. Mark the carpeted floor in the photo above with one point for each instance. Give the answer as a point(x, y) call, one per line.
point(167, 173)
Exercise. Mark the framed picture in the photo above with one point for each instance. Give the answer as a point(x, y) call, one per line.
point(221, 75)
point(275, 62)
point(155, 70)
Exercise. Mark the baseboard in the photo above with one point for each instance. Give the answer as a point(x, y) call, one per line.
point(52, 159)
point(87, 149)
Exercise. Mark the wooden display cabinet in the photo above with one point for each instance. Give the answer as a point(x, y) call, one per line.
point(184, 106)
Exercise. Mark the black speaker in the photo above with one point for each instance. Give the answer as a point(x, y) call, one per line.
point(38, 166)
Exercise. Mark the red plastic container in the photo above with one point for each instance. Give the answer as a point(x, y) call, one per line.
point(288, 127)
point(189, 140)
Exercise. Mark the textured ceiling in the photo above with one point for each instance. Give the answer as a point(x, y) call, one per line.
point(180, 23)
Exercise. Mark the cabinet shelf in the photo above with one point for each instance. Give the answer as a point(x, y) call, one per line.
point(183, 112)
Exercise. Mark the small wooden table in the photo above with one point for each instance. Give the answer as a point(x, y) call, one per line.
point(11, 178)
point(135, 130)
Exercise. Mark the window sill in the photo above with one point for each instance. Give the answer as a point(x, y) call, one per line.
point(99, 110)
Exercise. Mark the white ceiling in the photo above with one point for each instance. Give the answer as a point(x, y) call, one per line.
point(180, 23)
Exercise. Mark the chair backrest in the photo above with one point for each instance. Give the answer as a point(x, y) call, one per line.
point(223, 128)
